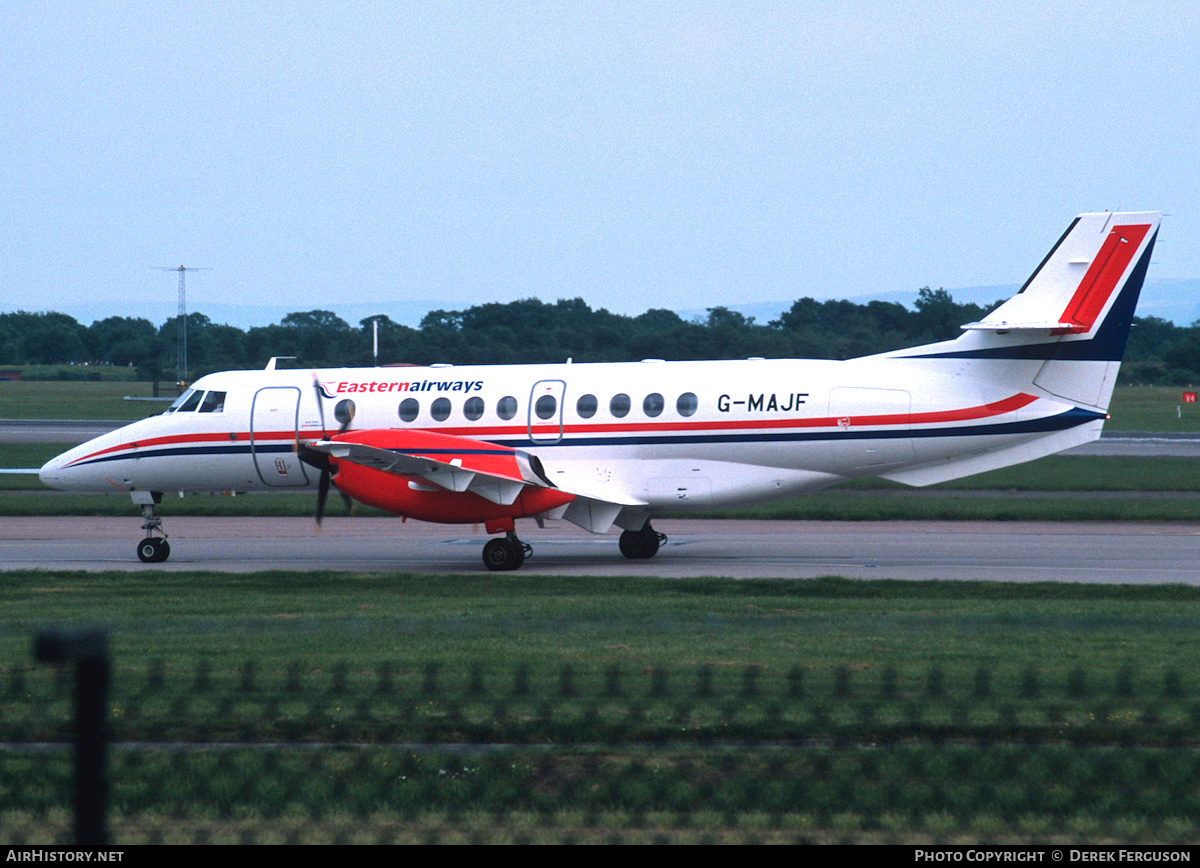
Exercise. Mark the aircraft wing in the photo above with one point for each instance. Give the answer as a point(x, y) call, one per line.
point(450, 474)
point(466, 465)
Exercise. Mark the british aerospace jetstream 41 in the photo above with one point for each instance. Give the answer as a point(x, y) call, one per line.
point(619, 444)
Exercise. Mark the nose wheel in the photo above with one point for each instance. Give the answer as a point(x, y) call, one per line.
point(154, 550)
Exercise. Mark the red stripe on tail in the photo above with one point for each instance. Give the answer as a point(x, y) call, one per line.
point(1103, 276)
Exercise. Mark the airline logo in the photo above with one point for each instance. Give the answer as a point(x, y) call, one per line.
point(333, 388)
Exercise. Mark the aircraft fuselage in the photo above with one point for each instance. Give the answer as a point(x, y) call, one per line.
point(675, 435)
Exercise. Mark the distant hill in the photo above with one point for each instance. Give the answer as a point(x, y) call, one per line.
point(1175, 300)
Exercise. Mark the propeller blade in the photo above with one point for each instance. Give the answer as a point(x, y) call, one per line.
point(313, 458)
point(322, 493)
point(320, 402)
point(320, 460)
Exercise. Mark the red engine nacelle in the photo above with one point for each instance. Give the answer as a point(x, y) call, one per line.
point(415, 497)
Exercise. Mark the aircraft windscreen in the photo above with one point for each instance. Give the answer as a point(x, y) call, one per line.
point(184, 399)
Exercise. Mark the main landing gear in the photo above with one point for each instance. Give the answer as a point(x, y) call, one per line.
point(641, 544)
point(506, 554)
point(153, 549)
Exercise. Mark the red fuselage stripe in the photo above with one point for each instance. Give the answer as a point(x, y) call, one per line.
point(982, 411)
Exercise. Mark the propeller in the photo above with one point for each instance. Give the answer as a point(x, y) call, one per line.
point(319, 460)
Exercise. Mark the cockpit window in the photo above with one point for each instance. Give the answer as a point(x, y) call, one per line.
point(187, 402)
point(181, 400)
point(214, 402)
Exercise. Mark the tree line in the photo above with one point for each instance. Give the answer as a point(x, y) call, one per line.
point(530, 331)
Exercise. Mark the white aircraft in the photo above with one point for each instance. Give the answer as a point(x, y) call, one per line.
point(605, 444)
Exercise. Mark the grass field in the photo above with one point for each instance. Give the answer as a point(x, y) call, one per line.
point(409, 620)
point(637, 710)
point(58, 399)
point(634, 710)
point(1153, 408)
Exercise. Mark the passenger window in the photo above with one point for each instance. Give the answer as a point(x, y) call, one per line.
point(473, 409)
point(687, 404)
point(545, 406)
point(586, 406)
point(506, 408)
point(440, 409)
point(619, 405)
point(409, 408)
point(343, 411)
point(653, 405)
point(214, 402)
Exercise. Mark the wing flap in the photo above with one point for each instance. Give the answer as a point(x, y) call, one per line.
point(596, 516)
point(499, 491)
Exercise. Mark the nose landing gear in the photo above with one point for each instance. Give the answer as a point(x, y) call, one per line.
point(153, 549)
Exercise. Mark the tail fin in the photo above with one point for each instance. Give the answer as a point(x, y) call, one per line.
point(1075, 311)
point(1087, 286)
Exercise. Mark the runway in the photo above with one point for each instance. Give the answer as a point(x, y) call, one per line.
point(1135, 553)
point(998, 551)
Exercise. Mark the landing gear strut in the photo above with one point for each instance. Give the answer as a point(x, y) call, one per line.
point(506, 554)
point(153, 549)
point(640, 544)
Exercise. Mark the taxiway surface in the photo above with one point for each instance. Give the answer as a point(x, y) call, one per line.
point(1140, 553)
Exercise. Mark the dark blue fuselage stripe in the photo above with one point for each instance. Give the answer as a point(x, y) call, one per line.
point(1060, 422)
point(183, 451)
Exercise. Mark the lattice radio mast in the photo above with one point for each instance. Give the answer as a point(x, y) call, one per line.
point(181, 364)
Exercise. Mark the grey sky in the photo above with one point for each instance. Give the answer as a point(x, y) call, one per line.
point(637, 155)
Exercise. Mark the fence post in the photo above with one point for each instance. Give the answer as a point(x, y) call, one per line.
point(88, 651)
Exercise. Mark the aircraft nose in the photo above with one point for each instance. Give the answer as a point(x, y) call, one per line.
point(50, 472)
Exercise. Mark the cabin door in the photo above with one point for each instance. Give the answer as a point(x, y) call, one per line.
point(546, 411)
point(274, 418)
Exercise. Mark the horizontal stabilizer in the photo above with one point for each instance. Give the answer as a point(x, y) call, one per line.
point(1003, 327)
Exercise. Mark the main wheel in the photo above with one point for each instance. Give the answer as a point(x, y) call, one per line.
point(503, 554)
point(153, 550)
point(641, 544)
